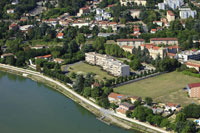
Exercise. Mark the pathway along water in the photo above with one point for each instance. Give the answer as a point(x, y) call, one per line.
point(30, 107)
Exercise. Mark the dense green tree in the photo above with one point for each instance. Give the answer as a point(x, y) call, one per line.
point(87, 91)
point(79, 83)
point(148, 101)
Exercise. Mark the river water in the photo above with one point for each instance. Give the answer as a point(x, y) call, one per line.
point(30, 107)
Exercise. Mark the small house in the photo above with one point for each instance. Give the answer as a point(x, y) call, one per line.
point(115, 98)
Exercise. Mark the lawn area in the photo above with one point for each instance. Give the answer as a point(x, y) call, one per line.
point(164, 88)
point(83, 68)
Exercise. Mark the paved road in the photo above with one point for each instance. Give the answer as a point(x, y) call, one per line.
point(104, 111)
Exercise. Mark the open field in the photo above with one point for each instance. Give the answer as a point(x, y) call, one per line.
point(85, 68)
point(164, 88)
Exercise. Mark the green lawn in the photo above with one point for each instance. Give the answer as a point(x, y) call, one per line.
point(164, 88)
point(84, 68)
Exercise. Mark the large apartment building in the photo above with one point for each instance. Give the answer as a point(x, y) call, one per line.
point(130, 42)
point(108, 64)
point(173, 4)
point(165, 41)
point(138, 2)
point(188, 55)
point(185, 13)
point(194, 90)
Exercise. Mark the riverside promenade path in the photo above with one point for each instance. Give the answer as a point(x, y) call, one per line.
point(105, 112)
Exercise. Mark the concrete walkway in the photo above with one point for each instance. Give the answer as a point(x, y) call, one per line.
point(102, 110)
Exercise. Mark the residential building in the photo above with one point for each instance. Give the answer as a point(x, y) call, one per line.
point(161, 6)
point(10, 11)
point(128, 48)
point(123, 107)
point(25, 28)
point(173, 4)
point(105, 34)
point(170, 16)
point(115, 97)
point(172, 106)
point(172, 51)
point(38, 47)
point(108, 64)
point(135, 13)
point(46, 57)
point(194, 90)
point(138, 2)
point(188, 55)
point(153, 31)
point(13, 26)
point(134, 99)
point(197, 121)
point(130, 42)
point(60, 35)
point(58, 60)
point(193, 64)
point(159, 23)
point(80, 24)
point(83, 11)
point(165, 41)
point(154, 50)
point(95, 85)
point(185, 13)
point(15, 2)
point(24, 19)
point(3, 56)
point(102, 15)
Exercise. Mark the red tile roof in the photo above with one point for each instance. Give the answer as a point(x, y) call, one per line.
point(163, 39)
point(129, 40)
point(170, 13)
point(172, 104)
point(110, 5)
point(60, 35)
point(47, 56)
point(150, 46)
point(112, 23)
point(129, 47)
point(121, 110)
point(84, 8)
point(13, 25)
point(153, 30)
point(192, 64)
point(194, 85)
point(116, 96)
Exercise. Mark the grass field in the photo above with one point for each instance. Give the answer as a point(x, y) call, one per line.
point(83, 68)
point(164, 88)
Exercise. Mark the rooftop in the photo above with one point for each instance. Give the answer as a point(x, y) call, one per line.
point(116, 96)
point(164, 39)
point(129, 40)
point(194, 85)
point(126, 104)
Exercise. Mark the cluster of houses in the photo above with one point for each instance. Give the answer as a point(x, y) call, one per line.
point(108, 63)
point(126, 103)
point(170, 48)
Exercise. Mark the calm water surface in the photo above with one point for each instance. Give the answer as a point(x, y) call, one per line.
point(30, 107)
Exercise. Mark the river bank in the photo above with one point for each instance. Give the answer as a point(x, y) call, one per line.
point(95, 109)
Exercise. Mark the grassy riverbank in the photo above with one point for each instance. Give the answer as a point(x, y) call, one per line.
point(110, 119)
